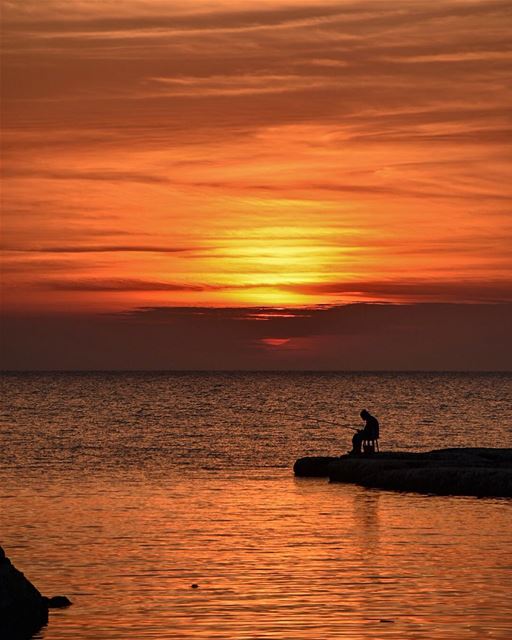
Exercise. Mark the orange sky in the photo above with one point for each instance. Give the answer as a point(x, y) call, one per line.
point(255, 153)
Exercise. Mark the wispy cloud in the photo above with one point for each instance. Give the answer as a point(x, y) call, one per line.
point(118, 285)
point(467, 291)
point(203, 19)
point(97, 248)
point(493, 291)
point(98, 175)
point(233, 85)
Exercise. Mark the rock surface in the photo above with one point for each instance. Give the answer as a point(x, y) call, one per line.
point(57, 602)
point(23, 610)
point(472, 472)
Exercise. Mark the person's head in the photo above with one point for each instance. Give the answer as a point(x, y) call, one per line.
point(364, 414)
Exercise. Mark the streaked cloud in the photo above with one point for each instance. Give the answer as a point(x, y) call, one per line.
point(101, 175)
point(493, 291)
point(97, 248)
point(238, 85)
point(117, 285)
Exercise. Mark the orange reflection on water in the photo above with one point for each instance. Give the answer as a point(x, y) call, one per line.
point(273, 558)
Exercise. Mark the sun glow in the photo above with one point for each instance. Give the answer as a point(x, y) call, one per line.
point(275, 342)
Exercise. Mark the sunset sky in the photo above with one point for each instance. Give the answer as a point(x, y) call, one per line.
point(250, 162)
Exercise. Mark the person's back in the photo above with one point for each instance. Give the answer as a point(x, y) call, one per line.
point(370, 431)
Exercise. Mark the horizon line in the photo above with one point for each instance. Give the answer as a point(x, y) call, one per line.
point(293, 371)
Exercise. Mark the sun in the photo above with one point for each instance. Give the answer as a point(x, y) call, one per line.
point(268, 265)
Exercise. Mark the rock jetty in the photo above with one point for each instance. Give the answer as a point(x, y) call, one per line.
point(23, 610)
point(469, 472)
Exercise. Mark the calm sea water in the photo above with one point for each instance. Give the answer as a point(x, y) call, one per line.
point(122, 490)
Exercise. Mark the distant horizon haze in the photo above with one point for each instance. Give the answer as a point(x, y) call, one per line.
point(356, 337)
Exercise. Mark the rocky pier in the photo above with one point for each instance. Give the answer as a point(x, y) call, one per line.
point(481, 472)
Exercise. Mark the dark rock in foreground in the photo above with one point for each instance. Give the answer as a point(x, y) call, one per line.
point(470, 472)
point(23, 610)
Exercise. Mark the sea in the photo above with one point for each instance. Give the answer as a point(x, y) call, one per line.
point(123, 490)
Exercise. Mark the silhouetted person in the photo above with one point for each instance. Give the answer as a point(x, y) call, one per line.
point(370, 431)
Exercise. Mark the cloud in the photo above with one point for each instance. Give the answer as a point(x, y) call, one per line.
point(37, 266)
point(256, 323)
point(180, 22)
point(98, 249)
point(496, 291)
point(366, 189)
point(100, 174)
point(121, 285)
point(208, 18)
point(233, 85)
point(351, 337)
